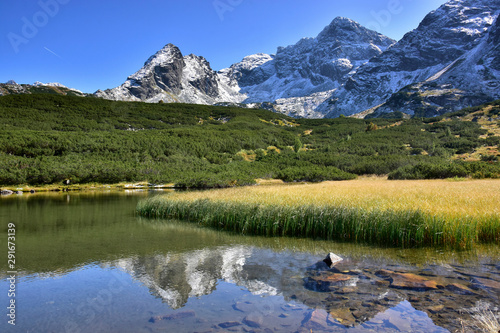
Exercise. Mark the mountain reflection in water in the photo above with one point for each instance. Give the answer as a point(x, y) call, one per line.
point(363, 293)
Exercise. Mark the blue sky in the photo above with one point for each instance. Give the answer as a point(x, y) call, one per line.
point(96, 44)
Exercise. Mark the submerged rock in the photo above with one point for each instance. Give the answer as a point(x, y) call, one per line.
point(327, 281)
point(316, 320)
point(245, 307)
point(435, 308)
point(178, 315)
point(488, 283)
point(459, 288)
point(229, 324)
point(408, 280)
point(253, 320)
point(343, 316)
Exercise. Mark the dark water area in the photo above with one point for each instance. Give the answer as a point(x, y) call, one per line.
point(85, 262)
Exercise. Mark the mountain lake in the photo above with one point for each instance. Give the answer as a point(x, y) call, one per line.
point(85, 262)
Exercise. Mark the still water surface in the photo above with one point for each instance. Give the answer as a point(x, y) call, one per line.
point(86, 263)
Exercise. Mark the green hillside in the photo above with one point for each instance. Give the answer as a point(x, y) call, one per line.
point(46, 138)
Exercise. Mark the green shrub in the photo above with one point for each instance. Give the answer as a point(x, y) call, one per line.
point(446, 170)
point(313, 174)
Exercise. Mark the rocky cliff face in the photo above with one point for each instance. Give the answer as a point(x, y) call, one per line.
point(297, 79)
point(171, 77)
point(302, 76)
point(448, 62)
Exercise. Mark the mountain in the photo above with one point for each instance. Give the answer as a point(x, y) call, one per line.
point(449, 62)
point(297, 79)
point(171, 77)
point(13, 88)
point(301, 76)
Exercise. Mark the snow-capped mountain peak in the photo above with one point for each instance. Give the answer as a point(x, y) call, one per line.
point(443, 41)
point(307, 71)
point(171, 77)
point(49, 84)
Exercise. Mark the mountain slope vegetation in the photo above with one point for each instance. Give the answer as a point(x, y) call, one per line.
point(48, 138)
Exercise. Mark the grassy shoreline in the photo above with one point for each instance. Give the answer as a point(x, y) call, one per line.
point(373, 211)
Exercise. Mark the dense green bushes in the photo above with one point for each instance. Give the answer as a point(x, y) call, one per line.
point(313, 174)
point(447, 170)
point(49, 138)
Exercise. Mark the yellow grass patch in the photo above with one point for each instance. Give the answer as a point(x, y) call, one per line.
point(478, 153)
point(248, 156)
point(308, 132)
point(454, 199)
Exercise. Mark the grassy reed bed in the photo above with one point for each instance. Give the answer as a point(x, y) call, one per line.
point(374, 211)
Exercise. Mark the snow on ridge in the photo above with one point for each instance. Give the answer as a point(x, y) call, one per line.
point(50, 84)
point(54, 84)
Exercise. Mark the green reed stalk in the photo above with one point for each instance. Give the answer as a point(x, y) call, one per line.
point(389, 228)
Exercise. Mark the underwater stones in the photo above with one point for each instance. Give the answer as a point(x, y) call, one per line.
point(435, 308)
point(316, 320)
point(347, 290)
point(254, 320)
point(343, 316)
point(488, 283)
point(291, 307)
point(229, 324)
point(360, 316)
point(244, 306)
point(327, 281)
point(459, 288)
point(382, 283)
point(174, 316)
point(408, 280)
point(355, 292)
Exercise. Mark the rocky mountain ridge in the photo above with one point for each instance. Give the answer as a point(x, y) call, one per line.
point(12, 87)
point(299, 77)
point(449, 62)
point(169, 76)
point(296, 79)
